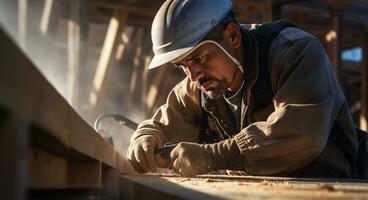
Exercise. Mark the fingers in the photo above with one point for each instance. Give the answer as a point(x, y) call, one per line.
point(134, 163)
point(150, 157)
point(178, 162)
point(141, 156)
point(190, 159)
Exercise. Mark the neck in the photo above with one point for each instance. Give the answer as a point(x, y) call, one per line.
point(237, 81)
point(238, 78)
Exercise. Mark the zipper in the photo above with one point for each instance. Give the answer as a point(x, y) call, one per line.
point(248, 95)
point(222, 128)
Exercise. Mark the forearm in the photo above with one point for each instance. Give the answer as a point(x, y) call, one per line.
point(226, 155)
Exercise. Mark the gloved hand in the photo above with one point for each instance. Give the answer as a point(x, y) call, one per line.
point(190, 159)
point(141, 153)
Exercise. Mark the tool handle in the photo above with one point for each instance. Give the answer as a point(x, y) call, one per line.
point(165, 150)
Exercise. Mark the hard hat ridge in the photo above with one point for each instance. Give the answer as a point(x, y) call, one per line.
point(181, 24)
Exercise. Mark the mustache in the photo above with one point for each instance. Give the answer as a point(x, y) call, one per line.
point(205, 79)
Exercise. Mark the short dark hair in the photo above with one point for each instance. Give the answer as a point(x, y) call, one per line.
point(216, 33)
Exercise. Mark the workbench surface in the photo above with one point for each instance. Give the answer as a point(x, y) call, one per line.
point(240, 187)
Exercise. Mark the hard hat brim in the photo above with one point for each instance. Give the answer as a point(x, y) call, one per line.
point(162, 59)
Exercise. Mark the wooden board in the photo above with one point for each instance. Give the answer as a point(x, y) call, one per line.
point(241, 187)
point(29, 96)
point(47, 150)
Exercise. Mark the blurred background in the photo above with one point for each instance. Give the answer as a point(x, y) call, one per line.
point(96, 52)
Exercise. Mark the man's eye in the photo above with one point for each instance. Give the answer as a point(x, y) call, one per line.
point(200, 59)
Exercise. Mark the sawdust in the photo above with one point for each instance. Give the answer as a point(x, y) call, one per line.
point(327, 187)
point(208, 180)
point(265, 182)
point(183, 180)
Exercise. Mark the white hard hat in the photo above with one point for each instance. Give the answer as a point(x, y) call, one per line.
point(181, 24)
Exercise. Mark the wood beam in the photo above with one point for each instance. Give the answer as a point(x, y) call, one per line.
point(13, 155)
point(151, 12)
point(155, 87)
point(333, 38)
point(136, 68)
point(45, 142)
point(338, 4)
point(46, 169)
point(22, 22)
point(73, 51)
point(147, 59)
point(110, 181)
point(31, 97)
point(112, 40)
point(84, 173)
point(46, 16)
point(77, 36)
point(364, 87)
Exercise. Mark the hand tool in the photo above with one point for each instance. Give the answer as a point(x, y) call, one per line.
point(124, 121)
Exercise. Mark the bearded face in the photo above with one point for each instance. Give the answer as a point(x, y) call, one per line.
point(212, 87)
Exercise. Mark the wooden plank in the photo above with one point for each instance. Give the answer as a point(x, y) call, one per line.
point(46, 170)
point(84, 173)
point(110, 181)
point(13, 156)
point(364, 87)
point(241, 187)
point(29, 96)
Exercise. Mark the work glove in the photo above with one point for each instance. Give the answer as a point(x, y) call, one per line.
point(141, 153)
point(190, 159)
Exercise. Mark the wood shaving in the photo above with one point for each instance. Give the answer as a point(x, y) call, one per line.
point(327, 187)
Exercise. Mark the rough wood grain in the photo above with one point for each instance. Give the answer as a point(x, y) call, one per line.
point(243, 187)
point(29, 96)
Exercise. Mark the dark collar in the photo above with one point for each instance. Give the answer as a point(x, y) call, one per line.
point(250, 66)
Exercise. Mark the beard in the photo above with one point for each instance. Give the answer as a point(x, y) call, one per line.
point(213, 92)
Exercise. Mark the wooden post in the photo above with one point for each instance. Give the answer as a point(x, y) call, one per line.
point(110, 181)
point(77, 35)
point(364, 87)
point(84, 173)
point(336, 58)
point(116, 25)
point(136, 65)
point(13, 156)
point(22, 22)
point(148, 55)
point(46, 16)
point(153, 91)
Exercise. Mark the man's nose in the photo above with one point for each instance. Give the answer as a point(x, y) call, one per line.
point(194, 73)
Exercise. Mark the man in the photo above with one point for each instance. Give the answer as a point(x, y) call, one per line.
point(263, 105)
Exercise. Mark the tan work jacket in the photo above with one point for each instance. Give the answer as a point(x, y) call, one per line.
point(288, 137)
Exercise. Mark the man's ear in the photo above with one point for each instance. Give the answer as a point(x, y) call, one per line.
point(232, 32)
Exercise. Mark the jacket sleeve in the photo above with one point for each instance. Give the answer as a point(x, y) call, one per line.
point(297, 131)
point(178, 119)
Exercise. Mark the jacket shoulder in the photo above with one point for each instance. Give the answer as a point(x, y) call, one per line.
point(292, 34)
point(186, 90)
